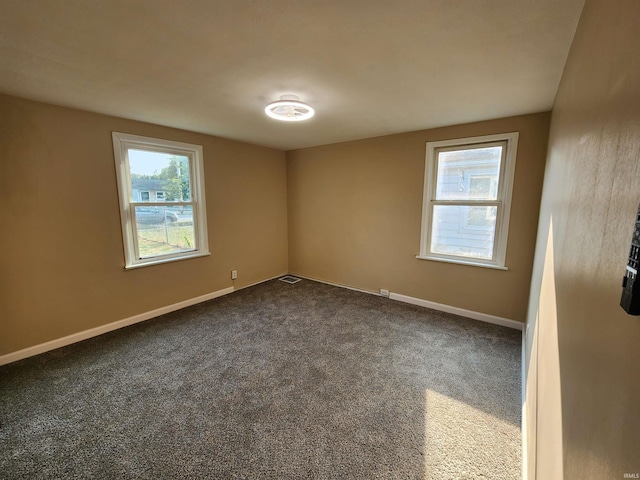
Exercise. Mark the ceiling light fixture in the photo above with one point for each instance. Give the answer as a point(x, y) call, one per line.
point(289, 109)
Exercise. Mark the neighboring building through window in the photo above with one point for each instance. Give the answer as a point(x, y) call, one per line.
point(467, 200)
point(162, 199)
point(146, 188)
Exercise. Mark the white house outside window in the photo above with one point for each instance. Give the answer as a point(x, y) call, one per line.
point(467, 200)
point(162, 199)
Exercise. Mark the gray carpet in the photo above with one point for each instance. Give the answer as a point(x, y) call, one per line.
point(274, 381)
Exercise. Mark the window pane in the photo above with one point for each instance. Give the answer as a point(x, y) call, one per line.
point(164, 230)
point(159, 177)
point(470, 173)
point(464, 231)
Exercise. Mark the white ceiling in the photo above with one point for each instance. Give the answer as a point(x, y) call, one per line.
point(368, 67)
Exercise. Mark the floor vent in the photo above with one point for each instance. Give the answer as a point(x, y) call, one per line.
point(289, 279)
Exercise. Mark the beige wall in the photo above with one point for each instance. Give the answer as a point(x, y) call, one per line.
point(62, 264)
point(355, 211)
point(584, 350)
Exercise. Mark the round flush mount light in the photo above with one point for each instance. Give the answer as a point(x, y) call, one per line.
point(289, 109)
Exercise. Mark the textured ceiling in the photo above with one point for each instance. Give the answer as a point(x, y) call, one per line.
point(368, 67)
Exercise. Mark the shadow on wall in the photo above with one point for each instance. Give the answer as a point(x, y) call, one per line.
point(542, 377)
point(577, 401)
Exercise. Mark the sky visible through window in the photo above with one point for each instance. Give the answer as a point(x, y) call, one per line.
point(148, 163)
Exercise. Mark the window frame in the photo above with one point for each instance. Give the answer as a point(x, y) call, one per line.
point(122, 142)
point(502, 202)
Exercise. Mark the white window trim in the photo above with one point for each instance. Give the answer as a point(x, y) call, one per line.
point(121, 143)
point(507, 172)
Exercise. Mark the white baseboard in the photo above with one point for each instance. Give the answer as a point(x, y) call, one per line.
point(94, 332)
point(523, 429)
point(505, 322)
point(260, 281)
point(370, 292)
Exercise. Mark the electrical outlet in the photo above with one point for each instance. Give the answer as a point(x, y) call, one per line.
point(384, 293)
point(234, 274)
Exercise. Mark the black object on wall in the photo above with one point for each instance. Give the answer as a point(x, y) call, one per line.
point(630, 300)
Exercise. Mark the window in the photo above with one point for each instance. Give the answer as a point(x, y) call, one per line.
point(467, 195)
point(171, 224)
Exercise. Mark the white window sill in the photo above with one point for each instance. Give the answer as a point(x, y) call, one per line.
point(158, 261)
point(471, 263)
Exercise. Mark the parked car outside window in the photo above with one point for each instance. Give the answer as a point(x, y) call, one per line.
point(155, 215)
